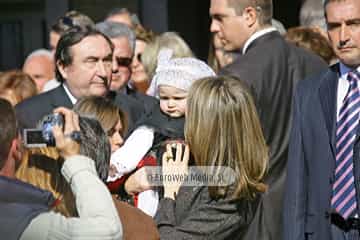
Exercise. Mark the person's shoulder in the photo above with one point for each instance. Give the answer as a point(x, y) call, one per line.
point(312, 82)
point(122, 98)
point(40, 99)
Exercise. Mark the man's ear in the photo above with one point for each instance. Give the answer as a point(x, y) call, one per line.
point(16, 150)
point(62, 69)
point(250, 15)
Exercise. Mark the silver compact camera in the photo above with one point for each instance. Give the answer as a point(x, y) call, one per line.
point(43, 136)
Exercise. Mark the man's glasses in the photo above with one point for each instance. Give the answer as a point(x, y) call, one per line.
point(123, 61)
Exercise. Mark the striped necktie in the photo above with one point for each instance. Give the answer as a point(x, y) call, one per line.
point(344, 194)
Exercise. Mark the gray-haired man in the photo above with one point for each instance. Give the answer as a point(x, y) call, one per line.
point(123, 39)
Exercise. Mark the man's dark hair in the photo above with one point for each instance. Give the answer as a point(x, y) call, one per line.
point(71, 37)
point(8, 129)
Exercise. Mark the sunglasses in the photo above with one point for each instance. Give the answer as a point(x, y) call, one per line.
point(138, 57)
point(123, 61)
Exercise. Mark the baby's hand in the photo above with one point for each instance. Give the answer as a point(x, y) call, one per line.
point(112, 170)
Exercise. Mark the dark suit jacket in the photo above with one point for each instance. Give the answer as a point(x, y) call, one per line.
point(32, 110)
point(148, 102)
point(272, 67)
point(311, 163)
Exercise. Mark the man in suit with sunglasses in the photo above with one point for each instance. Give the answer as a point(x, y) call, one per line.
point(84, 62)
point(124, 39)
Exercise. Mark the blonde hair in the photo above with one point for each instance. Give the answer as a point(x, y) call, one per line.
point(223, 130)
point(103, 110)
point(144, 34)
point(41, 167)
point(170, 40)
point(16, 86)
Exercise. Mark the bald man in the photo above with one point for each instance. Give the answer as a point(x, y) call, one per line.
point(40, 66)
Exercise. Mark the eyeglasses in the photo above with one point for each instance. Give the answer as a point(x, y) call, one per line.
point(123, 61)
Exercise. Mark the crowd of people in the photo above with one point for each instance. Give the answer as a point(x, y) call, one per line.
point(150, 142)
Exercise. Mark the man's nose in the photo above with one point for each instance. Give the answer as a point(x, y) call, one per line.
point(214, 27)
point(114, 66)
point(101, 69)
point(344, 33)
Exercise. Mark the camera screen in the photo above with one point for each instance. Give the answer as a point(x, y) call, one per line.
point(34, 138)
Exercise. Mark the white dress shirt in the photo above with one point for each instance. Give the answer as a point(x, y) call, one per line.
point(257, 35)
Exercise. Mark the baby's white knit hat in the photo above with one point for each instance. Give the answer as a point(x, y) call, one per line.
point(177, 72)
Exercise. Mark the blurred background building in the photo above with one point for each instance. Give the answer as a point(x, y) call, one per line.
point(24, 24)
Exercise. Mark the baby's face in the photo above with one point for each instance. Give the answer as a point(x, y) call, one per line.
point(172, 100)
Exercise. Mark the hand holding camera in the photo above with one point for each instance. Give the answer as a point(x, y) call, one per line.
point(60, 129)
point(67, 138)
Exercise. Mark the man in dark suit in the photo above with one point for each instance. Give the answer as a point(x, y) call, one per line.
point(323, 173)
point(123, 39)
point(271, 67)
point(83, 65)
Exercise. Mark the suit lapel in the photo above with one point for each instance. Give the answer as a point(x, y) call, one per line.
point(328, 96)
point(60, 98)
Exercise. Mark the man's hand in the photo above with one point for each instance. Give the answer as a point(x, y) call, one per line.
point(66, 146)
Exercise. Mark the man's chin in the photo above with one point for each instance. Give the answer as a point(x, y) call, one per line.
point(350, 60)
point(117, 85)
point(99, 91)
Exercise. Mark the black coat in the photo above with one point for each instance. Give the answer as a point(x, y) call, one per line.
point(272, 67)
point(194, 215)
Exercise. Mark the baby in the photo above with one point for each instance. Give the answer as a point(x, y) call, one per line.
point(171, 83)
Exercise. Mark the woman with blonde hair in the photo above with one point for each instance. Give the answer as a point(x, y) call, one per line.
point(112, 119)
point(223, 132)
point(41, 166)
point(139, 78)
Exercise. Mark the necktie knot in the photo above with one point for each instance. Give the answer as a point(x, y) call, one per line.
point(353, 76)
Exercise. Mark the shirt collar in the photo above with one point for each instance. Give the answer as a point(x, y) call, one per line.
point(255, 36)
point(345, 69)
point(72, 98)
